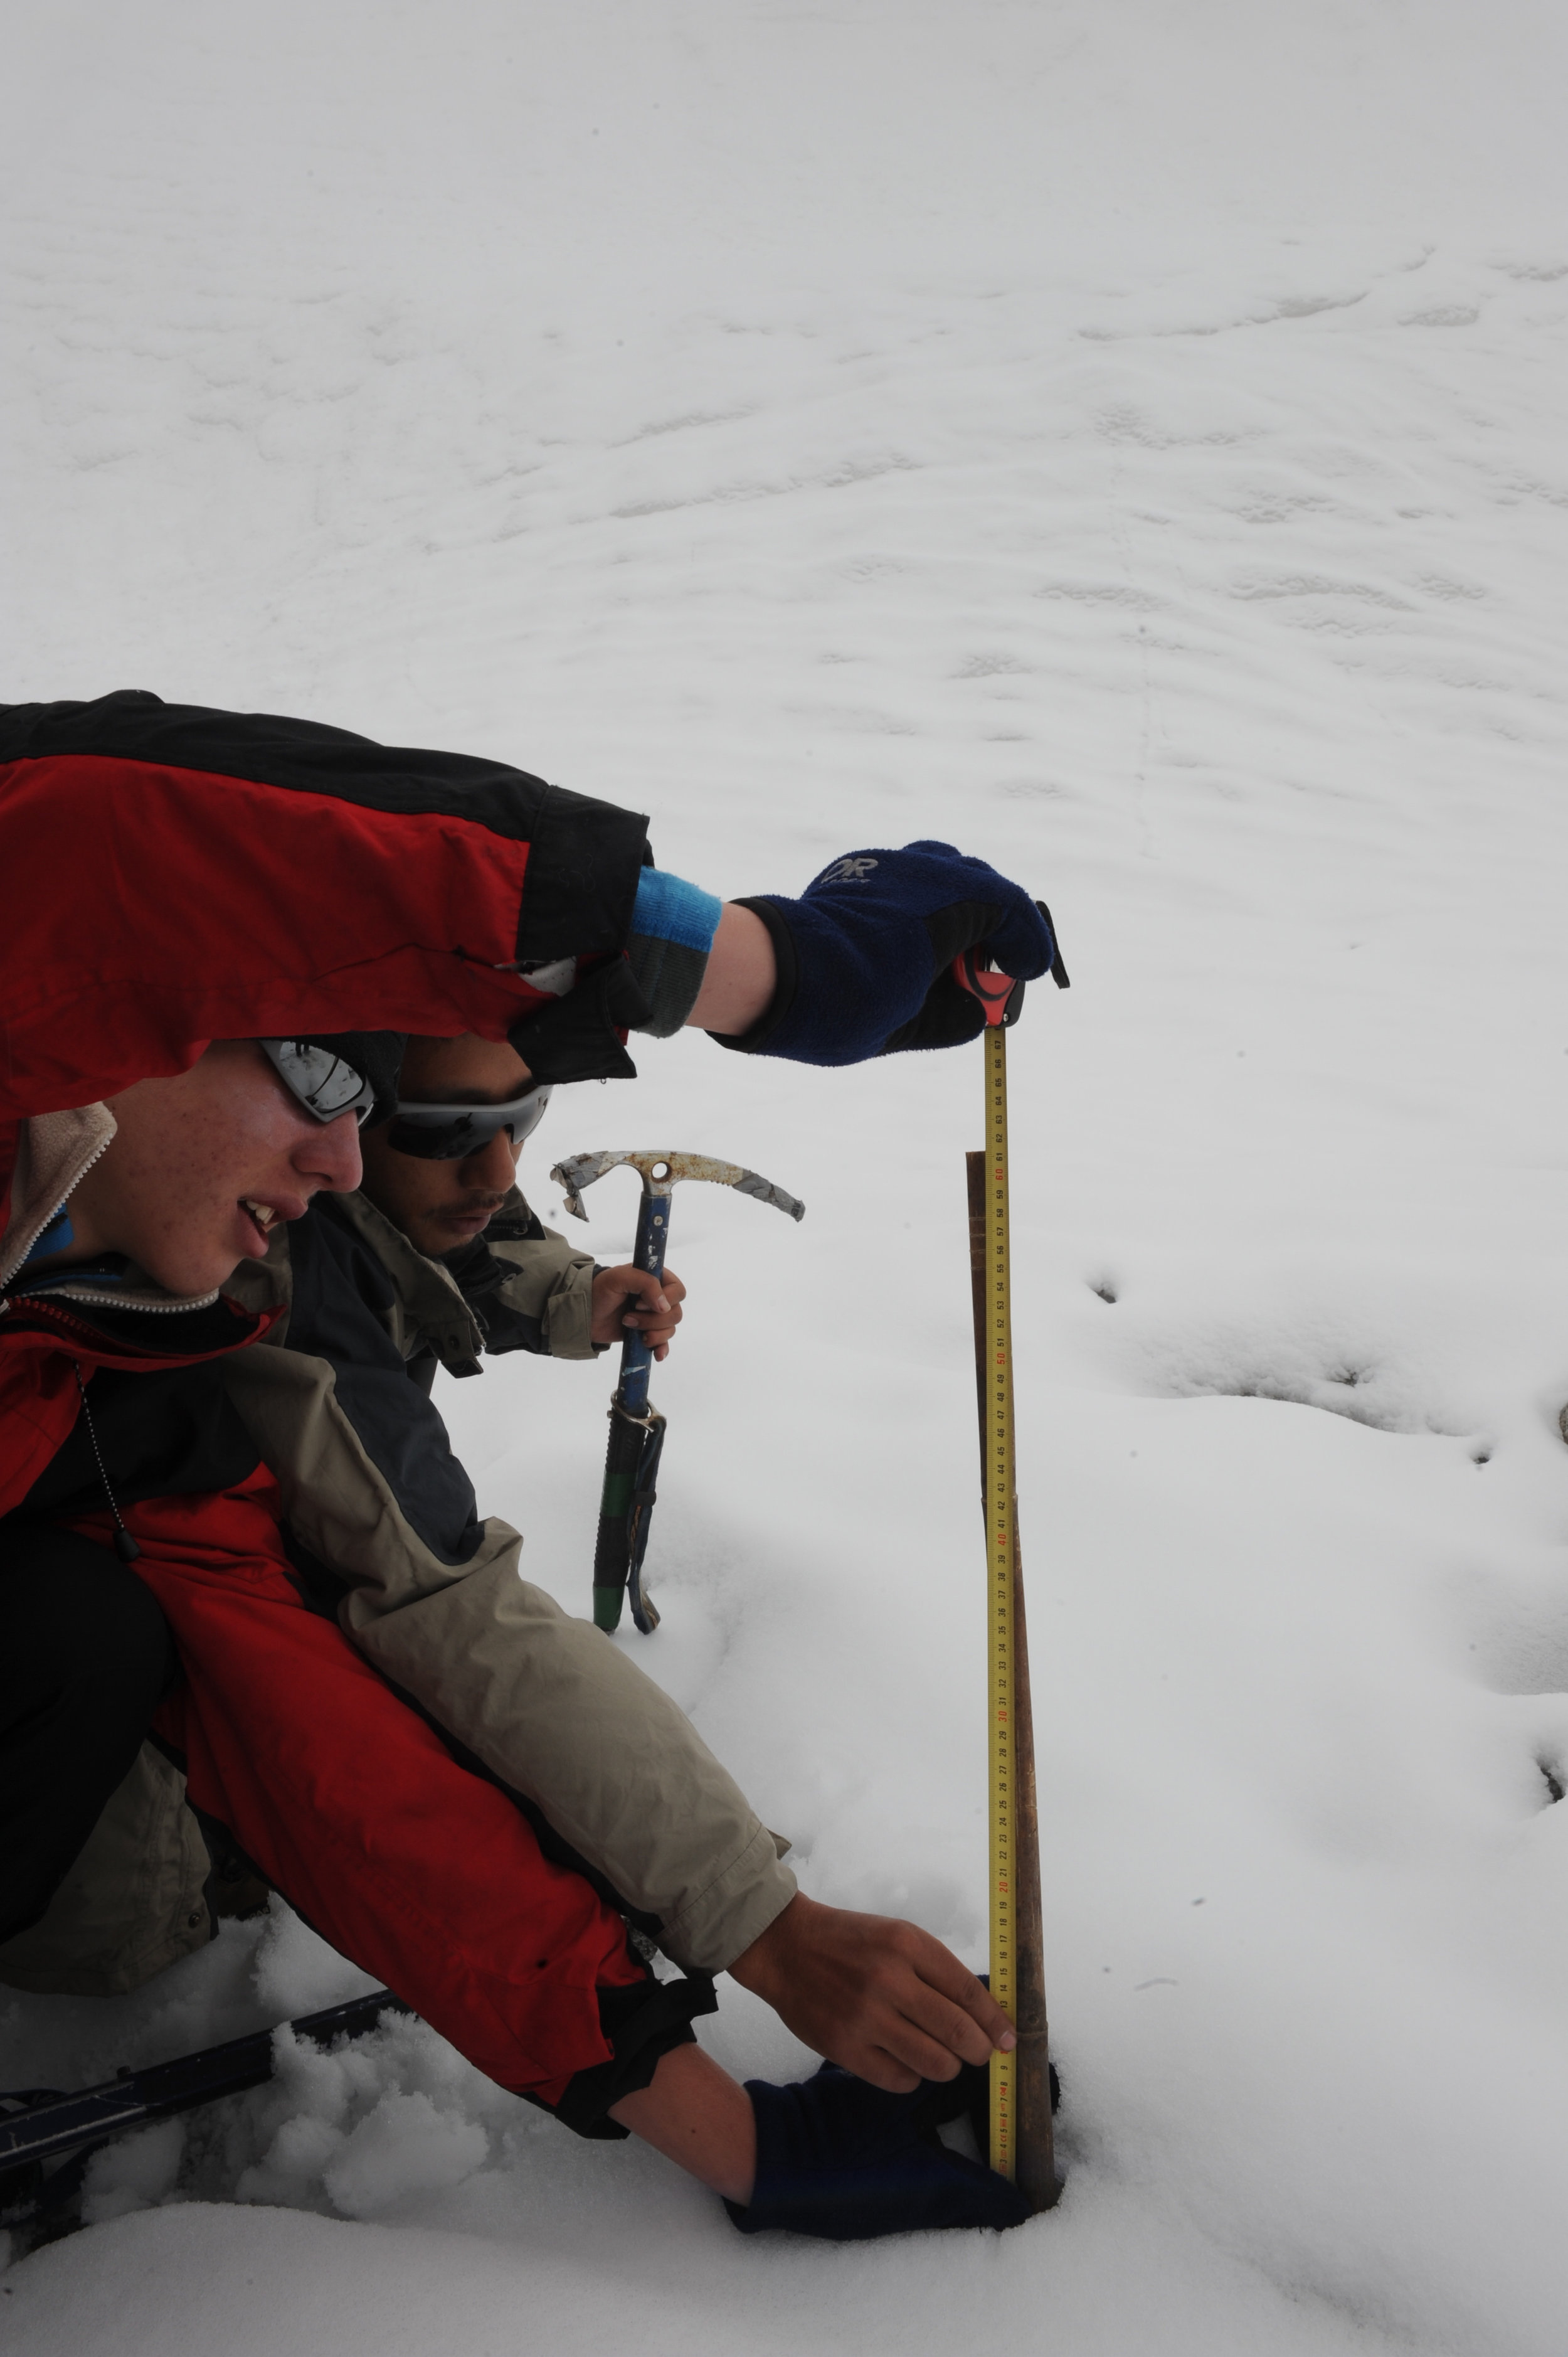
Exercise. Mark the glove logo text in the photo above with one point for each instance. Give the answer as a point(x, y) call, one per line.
point(853, 871)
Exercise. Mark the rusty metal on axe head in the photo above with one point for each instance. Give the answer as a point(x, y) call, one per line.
point(659, 1172)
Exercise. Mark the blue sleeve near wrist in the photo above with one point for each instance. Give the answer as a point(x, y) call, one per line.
point(672, 928)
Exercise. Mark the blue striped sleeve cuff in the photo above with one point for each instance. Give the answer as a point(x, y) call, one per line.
point(672, 929)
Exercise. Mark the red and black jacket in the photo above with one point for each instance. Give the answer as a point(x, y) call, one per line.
point(175, 876)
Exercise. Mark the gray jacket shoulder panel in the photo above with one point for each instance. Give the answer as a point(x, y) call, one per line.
point(519, 1286)
point(343, 1310)
point(425, 1310)
point(529, 1289)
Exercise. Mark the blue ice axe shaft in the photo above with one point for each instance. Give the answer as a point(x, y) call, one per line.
point(631, 1457)
point(637, 1428)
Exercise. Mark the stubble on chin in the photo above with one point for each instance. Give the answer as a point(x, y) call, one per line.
point(445, 1235)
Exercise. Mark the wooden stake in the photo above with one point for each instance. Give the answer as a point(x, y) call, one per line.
point(1032, 2153)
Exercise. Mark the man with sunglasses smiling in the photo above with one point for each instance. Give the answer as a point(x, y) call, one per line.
point(444, 1772)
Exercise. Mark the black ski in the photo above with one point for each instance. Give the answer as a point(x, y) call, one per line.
point(38, 2125)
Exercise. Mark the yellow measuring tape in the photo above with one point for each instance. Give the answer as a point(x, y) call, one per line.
point(1001, 1523)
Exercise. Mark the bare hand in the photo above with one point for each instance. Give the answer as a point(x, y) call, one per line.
point(879, 1996)
point(632, 1297)
point(741, 974)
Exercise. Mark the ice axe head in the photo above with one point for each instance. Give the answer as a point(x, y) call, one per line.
point(661, 1172)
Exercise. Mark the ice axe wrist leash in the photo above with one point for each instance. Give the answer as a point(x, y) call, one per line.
point(637, 1428)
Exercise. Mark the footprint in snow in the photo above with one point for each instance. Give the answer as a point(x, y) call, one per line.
point(1308, 1367)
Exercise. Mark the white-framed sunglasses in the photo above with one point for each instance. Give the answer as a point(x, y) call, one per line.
point(449, 1133)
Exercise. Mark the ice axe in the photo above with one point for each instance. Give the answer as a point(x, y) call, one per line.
point(637, 1428)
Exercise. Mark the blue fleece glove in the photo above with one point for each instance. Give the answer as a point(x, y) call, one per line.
point(840, 2160)
point(864, 954)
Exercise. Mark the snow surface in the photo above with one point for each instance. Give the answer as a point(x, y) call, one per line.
point(1128, 441)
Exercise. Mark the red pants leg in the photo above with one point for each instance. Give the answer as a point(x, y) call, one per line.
point(421, 1873)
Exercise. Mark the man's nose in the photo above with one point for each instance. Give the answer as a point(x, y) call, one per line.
point(494, 1166)
point(331, 1155)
